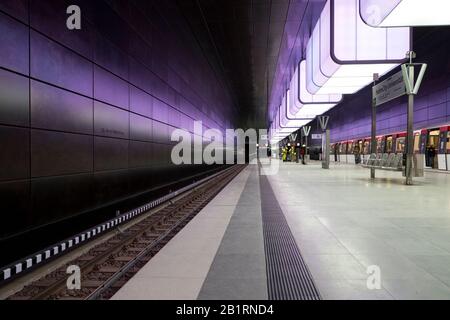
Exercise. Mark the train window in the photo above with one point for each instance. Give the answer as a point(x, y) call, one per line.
point(400, 144)
point(350, 148)
point(366, 147)
point(417, 142)
point(380, 145)
point(433, 138)
point(448, 141)
point(389, 144)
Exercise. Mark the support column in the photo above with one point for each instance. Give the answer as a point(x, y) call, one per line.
point(410, 132)
point(326, 159)
point(374, 126)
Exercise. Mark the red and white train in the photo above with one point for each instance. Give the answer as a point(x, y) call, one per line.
point(433, 143)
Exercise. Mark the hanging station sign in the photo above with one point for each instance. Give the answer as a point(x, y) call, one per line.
point(390, 89)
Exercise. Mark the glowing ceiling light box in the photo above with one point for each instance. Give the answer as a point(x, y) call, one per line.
point(302, 103)
point(400, 13)
point(279, 128)
point(343, 52)
point(287, 120)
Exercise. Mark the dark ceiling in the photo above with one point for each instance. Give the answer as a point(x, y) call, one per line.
point(244, 37)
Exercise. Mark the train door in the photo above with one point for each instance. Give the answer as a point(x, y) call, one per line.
point(442, 150)
point(380, 144)
point(336, 150)
point(417, 139)
point(343, 152)
point(432, 148)
point(389, 144)
point(448, 149)
point(359, 151)
point(333, 153)
point(400, 143)
point(366, 149)
point(423, 141)
point(350, 152)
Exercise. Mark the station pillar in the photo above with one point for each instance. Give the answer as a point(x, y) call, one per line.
point(323, 122)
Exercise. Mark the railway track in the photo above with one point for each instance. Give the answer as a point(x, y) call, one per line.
point(106, 267)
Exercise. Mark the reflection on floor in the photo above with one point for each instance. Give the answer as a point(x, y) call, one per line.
point(343, 223)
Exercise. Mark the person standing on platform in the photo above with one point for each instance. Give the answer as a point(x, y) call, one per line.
point(302, 154)
point(427, 156)
point(432, 155)
point(357, 153)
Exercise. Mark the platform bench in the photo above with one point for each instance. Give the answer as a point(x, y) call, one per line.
point(388, 162)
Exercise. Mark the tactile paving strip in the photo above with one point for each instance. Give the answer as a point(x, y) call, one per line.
point(288, 277)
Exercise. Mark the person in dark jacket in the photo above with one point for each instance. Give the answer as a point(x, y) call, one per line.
point(432, 155)
point(302, 154)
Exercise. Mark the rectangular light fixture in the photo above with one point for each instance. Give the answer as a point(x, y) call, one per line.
point(289, 120)
point(401, 13)
point(303, 104)
point(343, 52)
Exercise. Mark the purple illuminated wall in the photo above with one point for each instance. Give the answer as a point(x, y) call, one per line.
point(301, 18)
point(352, 118)
point(86, 116)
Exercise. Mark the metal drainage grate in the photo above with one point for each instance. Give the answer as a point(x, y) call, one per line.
point(288, 276)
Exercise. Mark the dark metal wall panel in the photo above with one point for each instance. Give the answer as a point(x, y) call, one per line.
point(160, 111)
point(110, 89)
point(109, 56)
point(44, 19)
point(14, 99)
point(51, 62)
point(110, 154)
point(110, 121)
point(14, 45)
point(141, 76)
point(15, 153)
point(54, 196)
point(58, 153)
point(140, 128)
point(16, 8)
point(14, 206)
point(57, 109)
point(87, 128)
point(110, 186)
point(141, 102)
point(160, 132)
point(140, 154)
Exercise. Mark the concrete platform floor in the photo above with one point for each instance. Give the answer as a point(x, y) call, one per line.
point(342, 222)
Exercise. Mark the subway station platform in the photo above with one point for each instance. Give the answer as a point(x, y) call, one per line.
point(339, 223)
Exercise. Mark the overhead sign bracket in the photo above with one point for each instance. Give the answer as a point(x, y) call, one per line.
point(412, 87)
